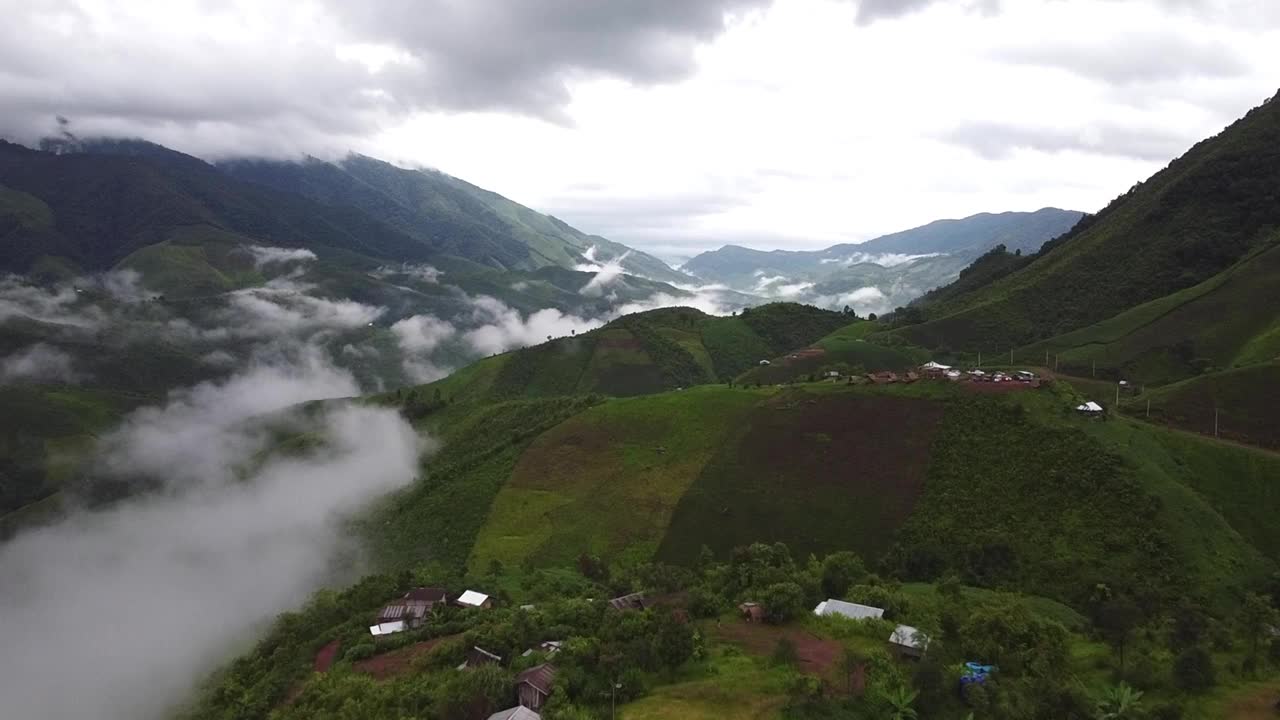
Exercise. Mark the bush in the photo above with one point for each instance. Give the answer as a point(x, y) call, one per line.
point(783, 601)
point(360, 652)
point(1193, 670)
point(784, 653)
point(1166, 711)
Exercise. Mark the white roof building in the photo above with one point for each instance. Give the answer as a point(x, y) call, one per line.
point(471, 598)
point(386, 628)
point(853, 611)
point(931, 365)
point(1090, 407)
point(519, 712)
point(909, 637)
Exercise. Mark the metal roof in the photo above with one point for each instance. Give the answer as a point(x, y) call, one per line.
point(907, 636)
point(387, 628)
point(473, 598)
point(539, 676)
point(848, 609)
point(519, 712)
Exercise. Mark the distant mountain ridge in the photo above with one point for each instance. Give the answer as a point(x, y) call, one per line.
point(899, 267)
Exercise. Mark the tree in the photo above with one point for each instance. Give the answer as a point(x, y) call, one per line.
point(872, 317)
point(1256, 617)
point(1116, 619)
point(784, 652)
point(1193, 670)
point(672, 641)
point(782, 601)
point(1119, 703)
point(839, 571)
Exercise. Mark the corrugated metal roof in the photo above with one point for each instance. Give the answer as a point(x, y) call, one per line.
point(519, 712)
point(848, 609)
point(539, 676)
point(387, 628)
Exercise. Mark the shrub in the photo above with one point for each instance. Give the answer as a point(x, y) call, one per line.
point(360, 652)
point(1193, 670)
point(784, 653)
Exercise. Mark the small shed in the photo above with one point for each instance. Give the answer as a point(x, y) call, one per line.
point(853, 611)
point(518, 712)
point(908, 642)
point(413, 608)
point(387, 628)
point(752, 612)
point(474, 599)
point(478, 656)
point(533, 686)
point(634, 601)
point(765, 362)
point(1091, 409)
point(550, 647)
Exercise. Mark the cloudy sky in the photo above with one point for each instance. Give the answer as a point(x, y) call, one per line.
point(675, 125)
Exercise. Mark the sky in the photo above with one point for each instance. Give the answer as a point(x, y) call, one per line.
point(676, 126)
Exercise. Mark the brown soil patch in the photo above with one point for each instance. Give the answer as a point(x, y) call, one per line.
point(1255, 705)
point(397, 662)
point(326, 657)
point(817, 656)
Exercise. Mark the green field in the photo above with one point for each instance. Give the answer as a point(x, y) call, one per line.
point(1245, 401)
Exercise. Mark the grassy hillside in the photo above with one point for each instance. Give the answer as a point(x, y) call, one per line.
point(1246, 401)
point(1010, 491)
point(846, 350)
point(1219, 323)
point(1203, 213)
point(640, 354)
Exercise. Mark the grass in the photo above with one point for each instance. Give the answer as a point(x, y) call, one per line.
point(820, 470)
point(1170, 338)
point(736, 686)
point(607, 480)
point(1247, 401)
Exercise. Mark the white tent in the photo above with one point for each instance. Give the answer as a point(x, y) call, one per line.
point(931, 365)
point(1090, 407)
point(853, 611)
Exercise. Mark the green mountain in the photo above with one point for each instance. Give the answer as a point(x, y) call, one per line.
point(899, 267)
point(455, 217)
point(1207, 211)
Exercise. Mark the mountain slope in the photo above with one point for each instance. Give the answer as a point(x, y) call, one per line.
point(95, 209)
point(1197, 217)
point(1224, 322)
point(453, 216)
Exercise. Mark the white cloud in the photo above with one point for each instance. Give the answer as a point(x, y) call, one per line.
point(139, 601)
point(419, 336)
point(38, 363)
point(504, 328)
point(284, 307)
point(606, 272)
point(264, 255)
point(425, 273)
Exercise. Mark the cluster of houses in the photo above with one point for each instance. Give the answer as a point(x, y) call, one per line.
point(905, 641)
point(533, 686)
point(938, 371)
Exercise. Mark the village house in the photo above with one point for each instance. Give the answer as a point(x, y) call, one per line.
point(473, 599)
point(518, 712)
point(533, 686)
point(409, 611)
point(634, 601)
point(908, 642)
point(478, 656)
point(853, 611)
point(550, 647)
point(752, 612)
point(883, 378)
point(933, 369)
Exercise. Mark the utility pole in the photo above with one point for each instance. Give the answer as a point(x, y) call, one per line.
point(1148, 408)
point(1095, 368)
point(1046, 358)
point(613, 701)
point(1215, 421)
point(979, 358)
point(1117, 397)
point(1010, 356)
point(1055, 363)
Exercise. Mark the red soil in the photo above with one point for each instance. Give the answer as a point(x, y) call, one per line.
point(397, 662)
point(817, 656)
point(325, 658)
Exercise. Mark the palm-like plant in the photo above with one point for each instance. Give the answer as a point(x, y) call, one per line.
point(900, 700)
point(1119, 702)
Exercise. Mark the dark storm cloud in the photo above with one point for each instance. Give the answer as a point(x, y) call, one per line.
point(212, 81)
point(998, 140)
point(493, 54)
